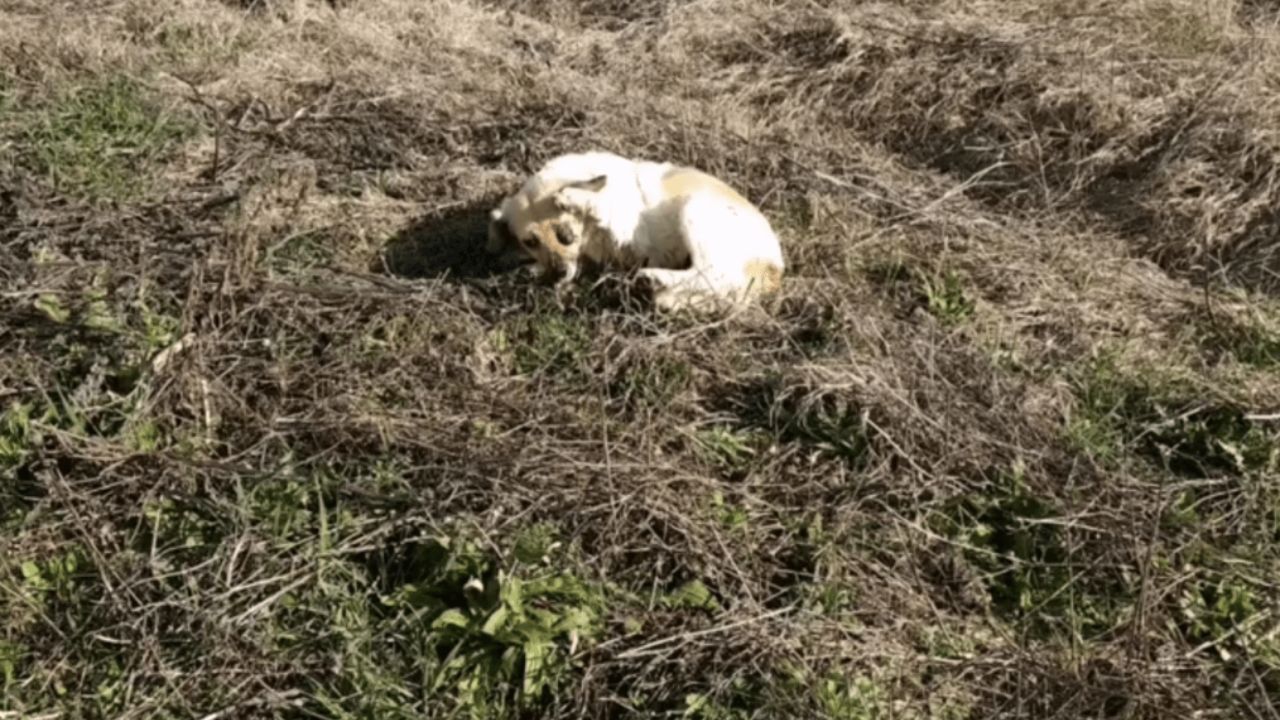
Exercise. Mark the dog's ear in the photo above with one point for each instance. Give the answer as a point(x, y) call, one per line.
point(595, 184)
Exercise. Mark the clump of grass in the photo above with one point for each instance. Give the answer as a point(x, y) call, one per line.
point(552, 343)
point(504, 636)
point(1017, 537)
point(940, 293)
point(823, 420)
point(300, 252)
point(945, 298)
point(1163, 420)
point(6, 95)
point(101, 139)
point(1252, 342)
point(728, 448)
point(651, 382)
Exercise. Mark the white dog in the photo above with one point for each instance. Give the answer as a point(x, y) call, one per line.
point(697, 241)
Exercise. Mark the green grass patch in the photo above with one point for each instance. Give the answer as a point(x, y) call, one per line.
point(789, 690)
point(941, 293)
point(1165, 421)
point(300, 252)
point(496, 638)
point(730, 449)
point(1255, 343)
point(770, 414)
point(1017, 538)
point(7, 101)
point(651, 382)
point(548, 342)
point(827, 422)
point(945, 298)
point(101, 140)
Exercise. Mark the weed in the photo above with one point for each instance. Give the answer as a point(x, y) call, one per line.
point(692, 595)
point(945, 299)
point(1254, 343)
point(1163, 421)
point(550, 343)
point(16, 436)
point(503, 639)
point(651, 382)
point(791, 691)
point(100, 139)
point(728, 448)
point(11, 655)
point(300, 252)
point(732, 517)
point(826, 421)
point(858, 698)
point(1016, 537)
point(940, 293)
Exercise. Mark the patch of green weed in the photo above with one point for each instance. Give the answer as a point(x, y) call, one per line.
point(941, 293)
point(11, 655)
point(945, 298)
point(55, 583)
point(16, 436)
point(851, 698)
point(1015, 537)
point(1166, 422)
point(550, 343)
point(101, 349)
point(6, 95)
point(1253, 343)
point(652, 382)
point(729, 448)
point(300, 251)
point(791, 691)
point(101, 139)
point(692, 595)
point(500, 640)
point(174, 529)
point(732, 517)
point(827, 422)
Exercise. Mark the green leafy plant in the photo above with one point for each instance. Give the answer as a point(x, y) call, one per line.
point(504, 637)
point(945, 298)
point(1165, 422)
point(728, 448)
point(551, 343)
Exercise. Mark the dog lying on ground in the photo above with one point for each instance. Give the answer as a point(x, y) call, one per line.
point(697, 242)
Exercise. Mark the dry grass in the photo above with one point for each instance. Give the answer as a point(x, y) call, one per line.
point(1006, 448)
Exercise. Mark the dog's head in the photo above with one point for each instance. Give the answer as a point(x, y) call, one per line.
point(540, 228)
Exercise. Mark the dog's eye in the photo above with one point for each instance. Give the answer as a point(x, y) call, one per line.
point(530, 242)
point(563, 236)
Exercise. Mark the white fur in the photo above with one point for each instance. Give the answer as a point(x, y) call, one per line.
point(697, 241)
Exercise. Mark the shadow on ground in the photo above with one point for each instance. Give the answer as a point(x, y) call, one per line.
point(448, 243)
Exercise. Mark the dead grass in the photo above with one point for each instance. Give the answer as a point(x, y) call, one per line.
point(276, 440)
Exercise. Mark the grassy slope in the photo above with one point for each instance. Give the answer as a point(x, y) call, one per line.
point(1002, 451)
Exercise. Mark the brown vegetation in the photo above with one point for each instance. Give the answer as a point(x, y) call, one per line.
point(1006, 447)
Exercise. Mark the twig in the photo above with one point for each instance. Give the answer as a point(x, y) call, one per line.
point(648, 648)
